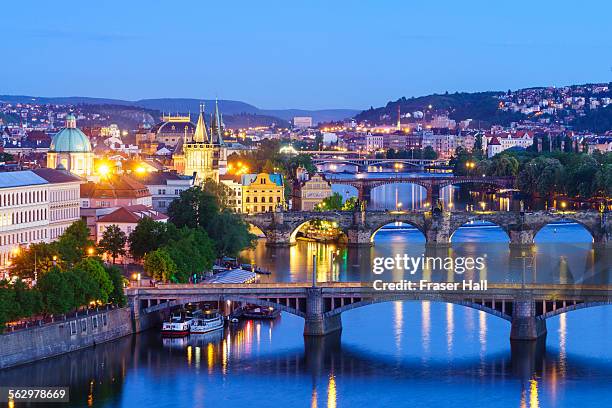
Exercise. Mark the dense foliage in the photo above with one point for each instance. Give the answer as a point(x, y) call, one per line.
point(198, 208)
point(335, 202)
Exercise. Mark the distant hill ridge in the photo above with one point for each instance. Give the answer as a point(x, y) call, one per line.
point(185, 105)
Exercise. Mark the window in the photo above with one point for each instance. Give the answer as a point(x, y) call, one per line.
point(73, 328)
point(94, 322)
point(83, 325)
point(104, 320)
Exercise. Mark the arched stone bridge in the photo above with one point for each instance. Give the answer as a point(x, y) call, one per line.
point(433, 184)
point(362, 164)
point(525, 306)
point(280, 228)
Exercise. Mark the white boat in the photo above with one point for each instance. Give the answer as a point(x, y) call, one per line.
point(207, 322)
point(178, 325)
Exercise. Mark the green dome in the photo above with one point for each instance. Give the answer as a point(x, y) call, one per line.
point(70, 140)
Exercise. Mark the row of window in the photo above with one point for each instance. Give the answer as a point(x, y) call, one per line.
point(162, 191)
point(256, 208)
point(23, 237)
point(65, 195)
point(263, 199)
point(96, 321)
point(23, 197)
point(64, 214)
point(20, 217)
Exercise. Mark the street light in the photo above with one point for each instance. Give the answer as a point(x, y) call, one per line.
point(483, 205)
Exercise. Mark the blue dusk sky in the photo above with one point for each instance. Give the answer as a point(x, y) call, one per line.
point(299, 54)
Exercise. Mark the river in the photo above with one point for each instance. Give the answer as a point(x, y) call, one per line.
point(415, 354)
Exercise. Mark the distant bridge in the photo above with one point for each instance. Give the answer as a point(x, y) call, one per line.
point(362, 164)
point(281, 228)
point(432, 184)
point(526, 306)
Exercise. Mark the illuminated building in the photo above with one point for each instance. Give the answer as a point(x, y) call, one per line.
point(205, 156)
point(164, 187)
point(234, 196)
point(262, 192)
point(35, 206)
point(172, 130)
point(71, 148)
point(309, 193)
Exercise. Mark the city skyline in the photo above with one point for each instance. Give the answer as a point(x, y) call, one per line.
point(303, 56)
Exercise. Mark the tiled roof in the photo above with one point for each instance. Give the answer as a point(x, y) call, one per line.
point(115, 187)
point(57, 176)
point(132, 214)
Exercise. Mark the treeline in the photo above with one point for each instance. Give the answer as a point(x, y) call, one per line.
point(59, 277)
point(543, 174)
point(200, 230)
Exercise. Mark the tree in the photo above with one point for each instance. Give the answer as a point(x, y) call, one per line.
point(113, 241)
point(333, 202)
point(429, 153)
point(160, 266)
point(92, 269)
point(73, 243)
point(57, 292)
point(37, 257)
point(117, 296)
point(230, 234)
point(194, 207)
point(9, 307)
point(28, 299)
point(193, 252)
point(146, 237)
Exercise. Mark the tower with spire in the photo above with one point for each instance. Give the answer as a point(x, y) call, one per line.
point(399, 118)
point(200, 152)
point(216, 138)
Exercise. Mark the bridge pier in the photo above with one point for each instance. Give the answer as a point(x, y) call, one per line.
point(315, 322)
point(525, 324)
point(521, 237)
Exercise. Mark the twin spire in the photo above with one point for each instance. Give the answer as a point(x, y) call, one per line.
point(216, 120)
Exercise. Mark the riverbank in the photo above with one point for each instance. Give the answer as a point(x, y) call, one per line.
point(49, 340)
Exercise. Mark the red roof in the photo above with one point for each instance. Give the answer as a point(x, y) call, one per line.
point(115, 187)
point(132, 214)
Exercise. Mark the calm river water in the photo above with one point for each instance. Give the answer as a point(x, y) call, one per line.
point(413, 354)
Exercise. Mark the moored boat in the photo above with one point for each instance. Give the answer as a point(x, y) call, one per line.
point(207, 322)
point(259, 312)
point(178, 325)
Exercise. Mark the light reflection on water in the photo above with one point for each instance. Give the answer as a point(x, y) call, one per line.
point(390, 354)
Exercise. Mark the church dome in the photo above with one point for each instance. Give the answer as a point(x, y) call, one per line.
point(70, 139)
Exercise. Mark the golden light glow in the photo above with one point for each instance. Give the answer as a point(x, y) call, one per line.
point(140, 170)
point(103, 170)
point(90, 251)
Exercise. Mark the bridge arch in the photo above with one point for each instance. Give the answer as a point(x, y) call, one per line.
point(564, 219)
point(482, 221)
point(569, 308)
point(297, 309)
point(295, 229)
point(380, 226)
point(503, 314)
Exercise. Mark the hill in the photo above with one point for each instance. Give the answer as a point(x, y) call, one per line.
point(185, 105)
point(480, 106)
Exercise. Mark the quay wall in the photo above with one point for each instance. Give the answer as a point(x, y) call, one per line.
point(37, 343)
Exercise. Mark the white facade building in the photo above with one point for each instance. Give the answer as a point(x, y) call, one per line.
point(35, 206)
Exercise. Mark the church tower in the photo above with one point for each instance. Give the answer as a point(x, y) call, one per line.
point(200, 154)
point(216, 135)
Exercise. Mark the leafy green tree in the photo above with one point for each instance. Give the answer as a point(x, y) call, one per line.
point(160, 266)
point(92, 269)
point(603, 180)
point(57, 292)
point(350, 204)
point(194, 207)
point(117, 296)
point(113, 241)
point(84, 288)
point(542, 176)
point(230, 234)
point(333, 202)
point(193, 253)
point(38, 256)
point(73, 243)
point(9, 307)
point(146, 237)
point(429, 153)
point(29, 299)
